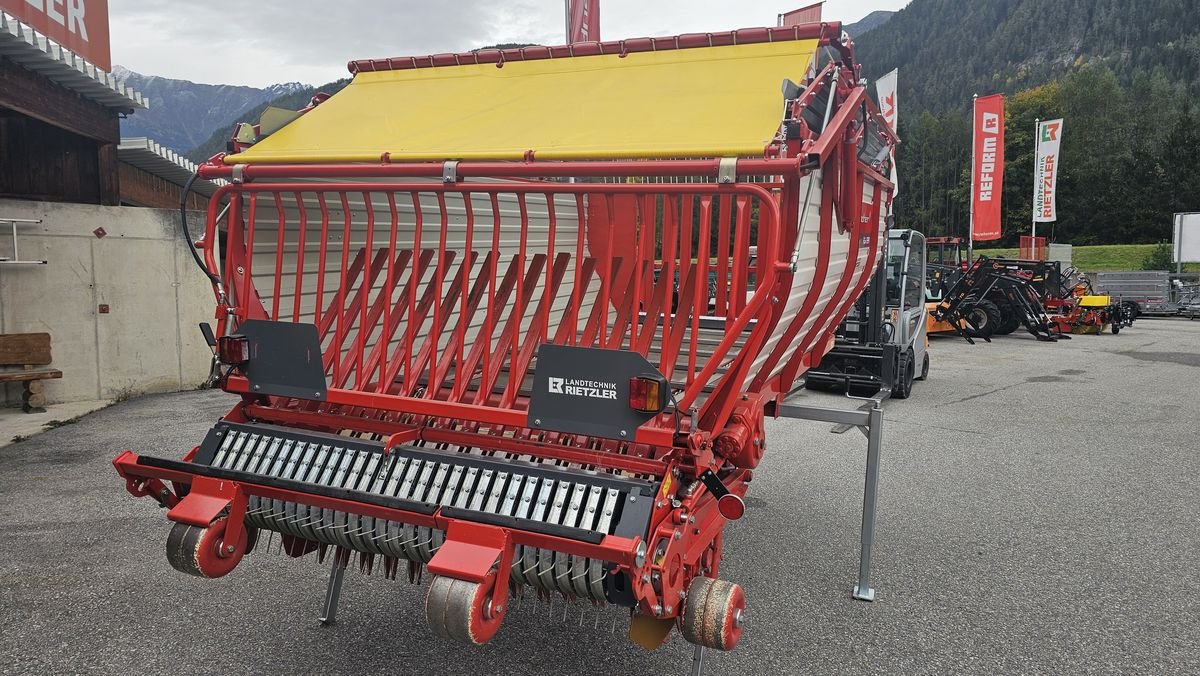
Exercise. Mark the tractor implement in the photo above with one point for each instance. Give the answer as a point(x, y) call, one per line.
point(492, 319)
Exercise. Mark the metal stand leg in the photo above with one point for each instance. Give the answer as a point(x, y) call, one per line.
point(863, 590)
point(698, 661)
point(333, 592)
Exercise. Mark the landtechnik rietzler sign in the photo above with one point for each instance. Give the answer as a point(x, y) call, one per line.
point(80, 26)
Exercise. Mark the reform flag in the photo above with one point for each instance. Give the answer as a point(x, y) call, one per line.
point(885, 88)
point(583, 21)
point(987, 170)
point(1045, 171)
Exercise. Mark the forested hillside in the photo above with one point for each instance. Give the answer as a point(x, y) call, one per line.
point(1125, 76)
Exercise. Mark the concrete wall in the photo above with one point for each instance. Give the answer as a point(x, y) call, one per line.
point(141, 269)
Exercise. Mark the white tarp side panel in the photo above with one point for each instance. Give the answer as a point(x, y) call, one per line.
point(1187, 238)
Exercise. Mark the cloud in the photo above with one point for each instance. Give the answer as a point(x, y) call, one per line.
point(311, 40)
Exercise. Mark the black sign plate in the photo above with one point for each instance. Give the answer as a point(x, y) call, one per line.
point(585, 390)
point(285, 359)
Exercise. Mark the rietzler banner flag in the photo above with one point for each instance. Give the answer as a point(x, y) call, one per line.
point(1045, 171)
point(987, 168)
point(885, 87)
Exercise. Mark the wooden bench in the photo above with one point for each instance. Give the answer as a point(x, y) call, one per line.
point(23, 359)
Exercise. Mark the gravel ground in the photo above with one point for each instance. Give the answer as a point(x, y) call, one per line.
point(1037, 515)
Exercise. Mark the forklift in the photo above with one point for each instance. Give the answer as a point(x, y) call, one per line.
point(881, 346)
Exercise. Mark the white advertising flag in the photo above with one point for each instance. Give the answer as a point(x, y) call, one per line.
point(1045, 171)
point(885, 88)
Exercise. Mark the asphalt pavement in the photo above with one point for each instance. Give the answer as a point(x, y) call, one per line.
point(1038, 514)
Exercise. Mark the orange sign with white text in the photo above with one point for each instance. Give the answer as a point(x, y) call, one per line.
point(80, 26)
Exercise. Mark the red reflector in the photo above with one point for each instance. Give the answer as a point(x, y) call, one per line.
point(233, 350)
point(647, 394)
point(731, 506)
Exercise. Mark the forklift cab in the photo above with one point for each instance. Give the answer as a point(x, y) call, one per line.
point(945, 264)
point(904, 274)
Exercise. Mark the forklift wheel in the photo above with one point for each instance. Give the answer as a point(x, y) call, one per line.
point(904, 385)
point(924, 368)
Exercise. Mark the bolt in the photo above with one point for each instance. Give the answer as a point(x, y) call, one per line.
point(682, 596)
point(623, 433)
point(317, 394)
point(537, 421)
point(241, 270)
point(691, 519)
point(258, 387)
point(499, 609)
point(645, 579)
point(739, 617)
point(229, 549)
point(668, 609)
point(658, 610)
point(678, 535)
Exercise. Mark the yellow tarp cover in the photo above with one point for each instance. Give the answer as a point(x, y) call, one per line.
point(702, 102)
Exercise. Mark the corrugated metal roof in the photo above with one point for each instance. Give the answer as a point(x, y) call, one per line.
point(149, 156)
point(38, 53)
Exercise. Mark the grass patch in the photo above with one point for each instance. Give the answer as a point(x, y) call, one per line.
point(1100, 258)
point(53, 424)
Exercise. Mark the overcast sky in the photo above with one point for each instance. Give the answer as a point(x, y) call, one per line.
point(310, 41)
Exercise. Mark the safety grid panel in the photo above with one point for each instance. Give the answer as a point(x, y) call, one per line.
point(446, 292)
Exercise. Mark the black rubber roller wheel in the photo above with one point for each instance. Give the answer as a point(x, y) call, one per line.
point(202, 551)
point(713, 613)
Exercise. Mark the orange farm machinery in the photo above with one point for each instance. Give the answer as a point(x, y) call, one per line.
point(469, 320)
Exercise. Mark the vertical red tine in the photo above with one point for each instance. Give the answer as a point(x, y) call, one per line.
point(686, 213)
point(533, 339)
point(511, 327)
point(278, 256)
point(414, 279)
point(247, 275)
point(390, 368)
point(360, 342)
point(489, 315)
point(453, 353)
point(380, 311)
point(568, 331)
point(577, 288)
point(626, 308)
point(674, 340)
point(340, 329)
point(654, 312)
point(235, 233)
point(325, 321)
point(701, 307)
point(670, 226)
point(723, 236)
point(439, 309)
point(468, 246)
point(483, 342)
point(598, 319)
point(324, 248)
point(606, 278)
point(386, 336)
point(551, 227)
point(420, 312)
point(347, 314)
point(741, 254)
point(442, 310)
point(299, 285)
point(522, 251)
point(378, 356)
point(644, 221)
point(372, 317)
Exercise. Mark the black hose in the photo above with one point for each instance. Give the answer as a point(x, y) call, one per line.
point(187, 234)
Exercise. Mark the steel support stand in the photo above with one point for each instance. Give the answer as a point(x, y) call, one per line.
point(698, 661)
point(869, 420)
point(333, 593)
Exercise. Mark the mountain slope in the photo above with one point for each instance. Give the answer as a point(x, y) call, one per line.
point(868, 23)
point(948, 50)
point(182, 114)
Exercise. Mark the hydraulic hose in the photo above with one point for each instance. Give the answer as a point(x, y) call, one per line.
point(187, 234)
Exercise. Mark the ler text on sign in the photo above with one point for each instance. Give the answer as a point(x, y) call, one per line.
point(80, 26)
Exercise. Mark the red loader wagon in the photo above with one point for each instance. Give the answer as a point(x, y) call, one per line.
point(496, 315)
